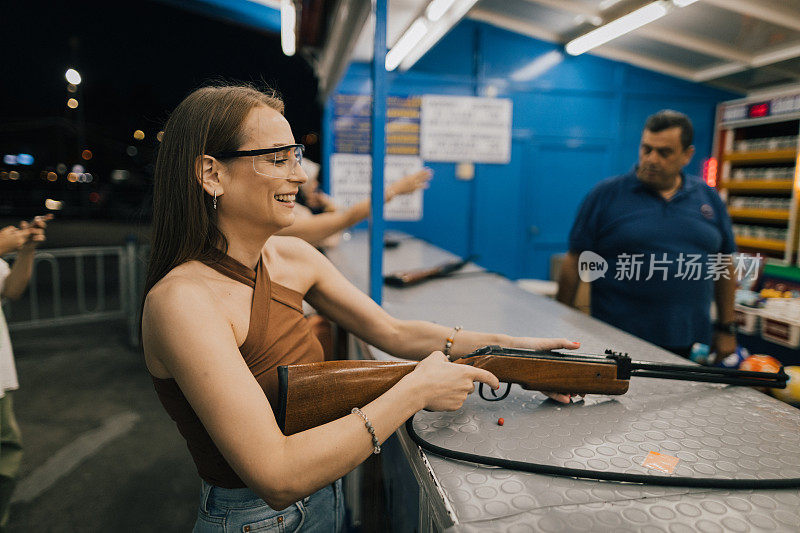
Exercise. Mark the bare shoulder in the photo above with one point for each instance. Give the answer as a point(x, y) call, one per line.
point(290, 248)
point(292, 252)
point(180, 288)
point(179, 300)
point(180, 309)
point(293, 262)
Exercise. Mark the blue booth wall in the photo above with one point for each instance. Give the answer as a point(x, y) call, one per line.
point(575, 124)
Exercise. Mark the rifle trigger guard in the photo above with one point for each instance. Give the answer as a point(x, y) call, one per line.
point(495, 397)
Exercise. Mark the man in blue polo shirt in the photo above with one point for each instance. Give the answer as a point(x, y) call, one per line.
point(666, 238)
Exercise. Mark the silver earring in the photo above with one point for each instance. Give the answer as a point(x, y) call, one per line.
point(215, 199)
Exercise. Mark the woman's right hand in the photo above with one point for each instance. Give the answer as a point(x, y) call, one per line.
point(445, 385)
point(410, 183)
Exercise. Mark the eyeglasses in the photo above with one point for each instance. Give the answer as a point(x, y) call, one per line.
point(278, 162)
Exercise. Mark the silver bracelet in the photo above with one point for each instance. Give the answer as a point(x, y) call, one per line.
point(376, 447)
point(449, 342)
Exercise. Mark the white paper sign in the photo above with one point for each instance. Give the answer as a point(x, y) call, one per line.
point(351, 175)
point(465, 128)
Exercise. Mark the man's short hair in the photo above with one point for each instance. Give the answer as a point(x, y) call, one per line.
point(666, 119)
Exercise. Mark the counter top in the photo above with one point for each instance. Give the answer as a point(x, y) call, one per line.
point(714, 430)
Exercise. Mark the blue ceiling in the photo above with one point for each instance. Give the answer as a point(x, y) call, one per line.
point(246, 12)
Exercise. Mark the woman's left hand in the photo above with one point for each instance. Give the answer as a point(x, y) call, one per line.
point(541, 343)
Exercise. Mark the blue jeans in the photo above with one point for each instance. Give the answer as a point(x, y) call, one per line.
point(241, 511)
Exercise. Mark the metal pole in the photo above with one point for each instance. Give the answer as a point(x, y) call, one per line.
point(478, 85)
point(325, 178)
point(132, 289)
point(376, 224)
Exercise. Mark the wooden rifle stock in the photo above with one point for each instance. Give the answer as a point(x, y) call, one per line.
point(313, 394)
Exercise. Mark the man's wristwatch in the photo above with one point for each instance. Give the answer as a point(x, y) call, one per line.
point(731, 328)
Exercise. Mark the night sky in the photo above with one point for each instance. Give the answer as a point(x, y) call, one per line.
point(138, 59)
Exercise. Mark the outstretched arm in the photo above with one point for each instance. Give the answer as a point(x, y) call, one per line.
point(318, 227)
point(568, 280)
point(20, 275)
point(725, 296)
point(335, 297)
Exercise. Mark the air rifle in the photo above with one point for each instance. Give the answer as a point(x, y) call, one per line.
point(412, 277)
point(313, 394)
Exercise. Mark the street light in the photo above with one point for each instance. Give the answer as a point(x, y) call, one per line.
point(73, 77)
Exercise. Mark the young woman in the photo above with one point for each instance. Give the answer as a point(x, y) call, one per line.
point(223, 310)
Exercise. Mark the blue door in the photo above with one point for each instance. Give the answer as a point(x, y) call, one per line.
point(557, 175)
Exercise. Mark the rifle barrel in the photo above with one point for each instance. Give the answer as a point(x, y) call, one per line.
point(768, 380)
point(627, 368)
point(690, 369)
point(708, 374)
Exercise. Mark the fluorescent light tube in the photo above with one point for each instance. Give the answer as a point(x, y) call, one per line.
point(621, 26)
point(538, 66)
point(409, 40)
point(683, 3)
point(288, 21)
point(437, 8)
point(436, 31)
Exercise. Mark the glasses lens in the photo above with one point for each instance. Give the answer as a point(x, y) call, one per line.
point(279, 164)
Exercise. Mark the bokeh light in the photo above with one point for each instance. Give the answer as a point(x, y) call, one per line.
point(53, 205)
point(73, 77)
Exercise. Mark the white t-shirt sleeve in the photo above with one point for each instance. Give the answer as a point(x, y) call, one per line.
point(5, 270)
point(8, 371)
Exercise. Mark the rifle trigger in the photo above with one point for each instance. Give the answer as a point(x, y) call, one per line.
point(495, 397)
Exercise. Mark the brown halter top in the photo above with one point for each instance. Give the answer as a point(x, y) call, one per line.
point(279, 334)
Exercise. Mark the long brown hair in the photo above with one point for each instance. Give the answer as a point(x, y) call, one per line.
point(185, 226)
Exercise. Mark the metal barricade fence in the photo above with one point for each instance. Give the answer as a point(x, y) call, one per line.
point(82, 285)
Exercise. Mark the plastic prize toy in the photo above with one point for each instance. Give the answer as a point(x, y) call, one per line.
point(761, 363)
point(700, 355)
point(736, 359)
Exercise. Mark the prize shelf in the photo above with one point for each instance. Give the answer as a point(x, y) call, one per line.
point(758, 149)
point(773, 215)
point(760, 244)
point(757, 185)
point(767, 156)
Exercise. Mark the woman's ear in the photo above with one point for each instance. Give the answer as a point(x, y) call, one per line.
point(207, 172)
